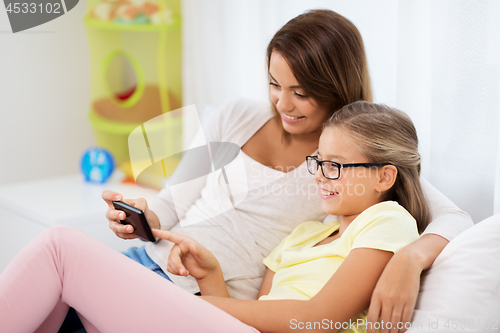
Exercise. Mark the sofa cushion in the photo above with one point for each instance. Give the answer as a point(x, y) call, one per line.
point(460, 292)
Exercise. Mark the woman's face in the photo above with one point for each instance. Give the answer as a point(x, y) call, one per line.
point(356, 189)
point(299, 113)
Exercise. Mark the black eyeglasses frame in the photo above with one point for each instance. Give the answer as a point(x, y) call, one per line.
point(340, 166)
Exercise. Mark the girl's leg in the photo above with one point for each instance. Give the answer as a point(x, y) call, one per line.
point(63, 266)
point(72, 322)
point(51, 323)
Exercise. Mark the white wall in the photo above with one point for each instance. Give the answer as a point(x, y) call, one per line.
point(44, 98)
point(439, 61)
point(225, 44)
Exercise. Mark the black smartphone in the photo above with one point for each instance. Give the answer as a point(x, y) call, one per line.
point(137, 219)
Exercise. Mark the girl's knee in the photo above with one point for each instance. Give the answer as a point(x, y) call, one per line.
point(61, 235)
point(61, 230)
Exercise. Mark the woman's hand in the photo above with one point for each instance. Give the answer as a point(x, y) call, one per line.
point(125, 231)
point(188, 257)
point(395, 295)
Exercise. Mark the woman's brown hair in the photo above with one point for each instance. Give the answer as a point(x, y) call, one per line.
point(387, 135)
point(326, 55)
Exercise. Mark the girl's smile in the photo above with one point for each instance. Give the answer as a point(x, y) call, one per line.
point(326, 194)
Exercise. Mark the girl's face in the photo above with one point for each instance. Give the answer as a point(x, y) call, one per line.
point(299, 113)
point(356, 189)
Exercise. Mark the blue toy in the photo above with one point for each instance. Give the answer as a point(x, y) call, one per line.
point(97, 165)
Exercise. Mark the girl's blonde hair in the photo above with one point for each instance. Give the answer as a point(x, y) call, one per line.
point(387, 135)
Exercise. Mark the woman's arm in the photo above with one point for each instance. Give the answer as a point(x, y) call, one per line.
point(170, 210)
point(396, 293)
point(188, 180)
point(163, 212)
point(425, 250)
point(448, 221)
point(344, 296)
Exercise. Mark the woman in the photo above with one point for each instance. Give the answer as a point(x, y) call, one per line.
point(316, 65)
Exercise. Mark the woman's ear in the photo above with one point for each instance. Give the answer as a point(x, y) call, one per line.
point(387, 177)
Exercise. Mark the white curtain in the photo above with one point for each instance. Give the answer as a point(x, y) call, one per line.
point(437, 60)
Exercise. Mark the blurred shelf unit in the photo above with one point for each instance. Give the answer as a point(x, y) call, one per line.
point(135, 50)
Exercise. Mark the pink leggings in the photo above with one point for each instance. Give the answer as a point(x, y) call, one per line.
point(64, 267)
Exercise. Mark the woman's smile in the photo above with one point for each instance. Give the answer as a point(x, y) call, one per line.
point(291, 119)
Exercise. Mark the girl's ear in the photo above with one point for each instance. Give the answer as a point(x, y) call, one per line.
point(387, 177)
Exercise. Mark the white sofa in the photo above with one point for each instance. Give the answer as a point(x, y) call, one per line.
point(461, 290)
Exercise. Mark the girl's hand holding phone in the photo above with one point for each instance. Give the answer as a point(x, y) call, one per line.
point(188, 257)
point(115, 216)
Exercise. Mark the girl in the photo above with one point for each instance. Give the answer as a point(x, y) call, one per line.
point(319, 277)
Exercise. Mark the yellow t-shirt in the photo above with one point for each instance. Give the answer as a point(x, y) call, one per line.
point(301, 269)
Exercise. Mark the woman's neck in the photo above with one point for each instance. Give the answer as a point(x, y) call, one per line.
point(304, 140)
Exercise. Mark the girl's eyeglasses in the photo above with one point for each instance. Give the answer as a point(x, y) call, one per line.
point(331, 169)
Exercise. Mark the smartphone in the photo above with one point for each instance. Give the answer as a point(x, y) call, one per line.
point(137, 219)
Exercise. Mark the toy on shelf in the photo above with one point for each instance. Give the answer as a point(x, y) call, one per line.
point(97, 165)
point(130, 12)
point(136, 74)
